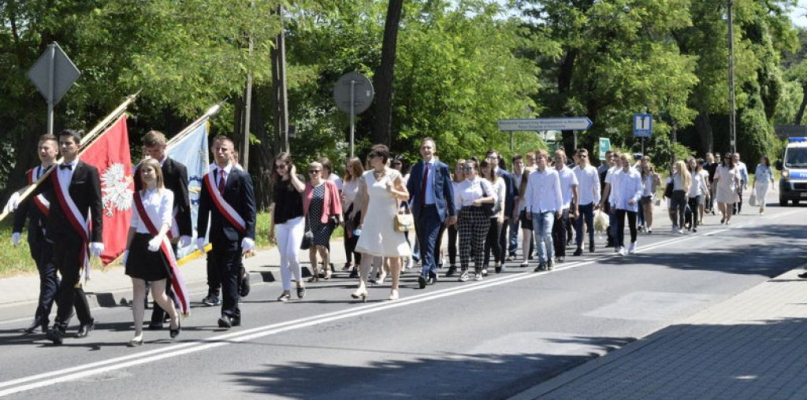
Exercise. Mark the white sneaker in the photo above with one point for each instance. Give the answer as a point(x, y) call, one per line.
point(632, 248)
point(680, 231)
point(621, 251)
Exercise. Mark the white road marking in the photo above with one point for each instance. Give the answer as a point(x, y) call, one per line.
point(100, 367)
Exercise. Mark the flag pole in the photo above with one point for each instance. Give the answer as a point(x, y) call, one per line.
point(213, 110)
point(104, 124)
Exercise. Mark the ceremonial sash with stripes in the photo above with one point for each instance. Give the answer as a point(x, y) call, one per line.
point(177, 283)
point(41, 202)
point(174, 231)
point(224, 208)
point(76, 220)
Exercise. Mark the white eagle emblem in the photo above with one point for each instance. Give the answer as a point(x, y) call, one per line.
point(115, 185)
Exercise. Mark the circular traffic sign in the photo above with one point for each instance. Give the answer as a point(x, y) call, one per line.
point(362, 89)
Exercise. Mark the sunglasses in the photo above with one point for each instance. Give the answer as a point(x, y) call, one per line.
point(282, 166)
point(314, 171)
point(466, 169)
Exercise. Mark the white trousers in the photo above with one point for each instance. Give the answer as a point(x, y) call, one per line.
point(289, 237)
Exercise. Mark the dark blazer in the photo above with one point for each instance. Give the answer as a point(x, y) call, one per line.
point(510, 192)
point(239, 194)
point(85, 190)
point(175, 177)
point(29, 210)
point(443, 189)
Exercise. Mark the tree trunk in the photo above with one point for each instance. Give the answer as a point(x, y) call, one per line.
point(800, 113)
point(704, 127)
point(383, 79)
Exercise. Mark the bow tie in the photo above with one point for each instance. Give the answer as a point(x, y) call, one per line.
point(66, 166)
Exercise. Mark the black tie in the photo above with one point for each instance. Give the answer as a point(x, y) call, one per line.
point(65, 166)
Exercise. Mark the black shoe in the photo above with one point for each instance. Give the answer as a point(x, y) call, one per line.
point(38, 322)
point(609, 244)
point(211, 300)
point(591, 247)
point(85, 329)
point(451, 271)
point(578, 252)
point(225, 322)
point(155, 326)
point(540, 267)
point(175, 332)
point(300, 292)
point(284, 297)
point(243, 289)
point(433, 278)
point(55, 335)
point(803, 275)
point(498, 269)
point(354, 274)
point(550, 265)
point(422, 282)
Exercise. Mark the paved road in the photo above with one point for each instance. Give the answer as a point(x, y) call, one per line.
point(474, 340)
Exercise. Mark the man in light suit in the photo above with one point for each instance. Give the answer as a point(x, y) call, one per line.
point(231, 213)
point(432, 203)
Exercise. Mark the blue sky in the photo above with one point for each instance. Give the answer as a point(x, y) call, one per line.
point(798, 14)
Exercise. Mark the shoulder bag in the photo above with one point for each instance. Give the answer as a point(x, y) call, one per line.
point(404, 222)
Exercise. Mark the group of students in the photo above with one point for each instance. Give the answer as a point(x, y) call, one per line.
point(551, 202)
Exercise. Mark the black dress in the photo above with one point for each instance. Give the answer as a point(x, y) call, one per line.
point(322, 231)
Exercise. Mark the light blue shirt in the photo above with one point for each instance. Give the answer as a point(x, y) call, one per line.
point(743, 172)
point(429, 195)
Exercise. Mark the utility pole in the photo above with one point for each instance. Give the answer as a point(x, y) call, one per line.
point(248, 106)
point(732, 112)
point(281, 103)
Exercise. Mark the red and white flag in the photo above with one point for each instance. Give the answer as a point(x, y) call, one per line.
point(110, 154)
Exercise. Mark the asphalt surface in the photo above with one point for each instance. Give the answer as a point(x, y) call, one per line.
point(474, 340)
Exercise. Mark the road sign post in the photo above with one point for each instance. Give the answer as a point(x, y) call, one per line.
point(353, 94)
point(544, 124)
point(53, 74)
point(642, 127)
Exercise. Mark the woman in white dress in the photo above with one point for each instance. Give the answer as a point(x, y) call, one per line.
point(763, 179)
point(381, 190)
point(727, 179)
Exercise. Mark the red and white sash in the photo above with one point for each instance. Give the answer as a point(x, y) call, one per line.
point(177, 283)
point(224, 208)
point(78, 222)
point(174, 231)
point(41, 202)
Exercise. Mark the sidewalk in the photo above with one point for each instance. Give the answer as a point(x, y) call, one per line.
point(752, 346)
point(19, 294)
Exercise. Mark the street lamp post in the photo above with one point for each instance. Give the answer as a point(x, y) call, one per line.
point(732, 112)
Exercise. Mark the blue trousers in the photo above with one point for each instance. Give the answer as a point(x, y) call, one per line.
point(427, 226)
point(542, 225)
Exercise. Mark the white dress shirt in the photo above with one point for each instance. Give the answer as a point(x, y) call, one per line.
point(500, 188)
point(568, 180)
point(159, 205)
point(429, 194)
point(627, 186)
point(588, 188)
point(697, 186)
point(337, 181)
point(66, 175)
point(470, 190)
point(543, 191)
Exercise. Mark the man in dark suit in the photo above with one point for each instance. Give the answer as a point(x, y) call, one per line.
point(74, 193)
point(431, 196)
point(175, 177)
point(35, 209)
point(228, 201)
point(510, 196)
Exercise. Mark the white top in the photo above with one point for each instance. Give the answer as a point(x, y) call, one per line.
point(336, 180)
point(66, 175)
point(350, 190)
point(568, 180)
point(456, 186)
point(697, 186)
point(588, 188)
point(159, 205)
point(647, 186)
point(469, 190)
point(678, 181)
point(500, 188)
point(627, 186)
point(763, 174)
point(543, 191)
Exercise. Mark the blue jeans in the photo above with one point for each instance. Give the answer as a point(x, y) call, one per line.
point(542, 225)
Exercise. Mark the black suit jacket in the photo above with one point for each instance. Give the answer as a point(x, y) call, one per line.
point(29, 210)
point(511, 191)
point(239, 194)
point(175, 177)
point(85, 189)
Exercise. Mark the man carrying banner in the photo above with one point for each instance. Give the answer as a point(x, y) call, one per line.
point(175, 177)
point(227, 199)
point(74, 192)
point(36, 211)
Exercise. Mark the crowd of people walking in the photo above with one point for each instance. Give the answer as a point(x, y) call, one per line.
point(390, 219)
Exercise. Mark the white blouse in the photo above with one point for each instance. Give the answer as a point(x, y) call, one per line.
point(500, 189)
point(159, 205)
point(470, 190)
point(350, 189)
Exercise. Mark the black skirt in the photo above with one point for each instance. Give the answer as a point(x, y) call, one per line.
point(144, 264)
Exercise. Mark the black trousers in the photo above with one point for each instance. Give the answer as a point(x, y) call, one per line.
point(493, 243)
point(694, 203)
point(560, 234)
point(66, 253)
point(213, 280)
point(227, 256)
point(42, 253)
point(620, 226)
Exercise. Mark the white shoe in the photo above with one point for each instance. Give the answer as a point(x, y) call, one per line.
point(632, 248)
point(621, 251)
point(394, 295)
point(680, 231)
point(409, 263)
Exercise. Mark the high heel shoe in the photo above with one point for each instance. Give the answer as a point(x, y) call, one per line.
point(175, 332)
point(394, 295)
point(360, 293)
point(381, 277)
point(136, 341)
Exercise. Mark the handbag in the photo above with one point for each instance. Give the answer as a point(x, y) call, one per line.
point(404, 222)
point(487, 208)
point(668, 190)
point(752, 201)
point(308, 237)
